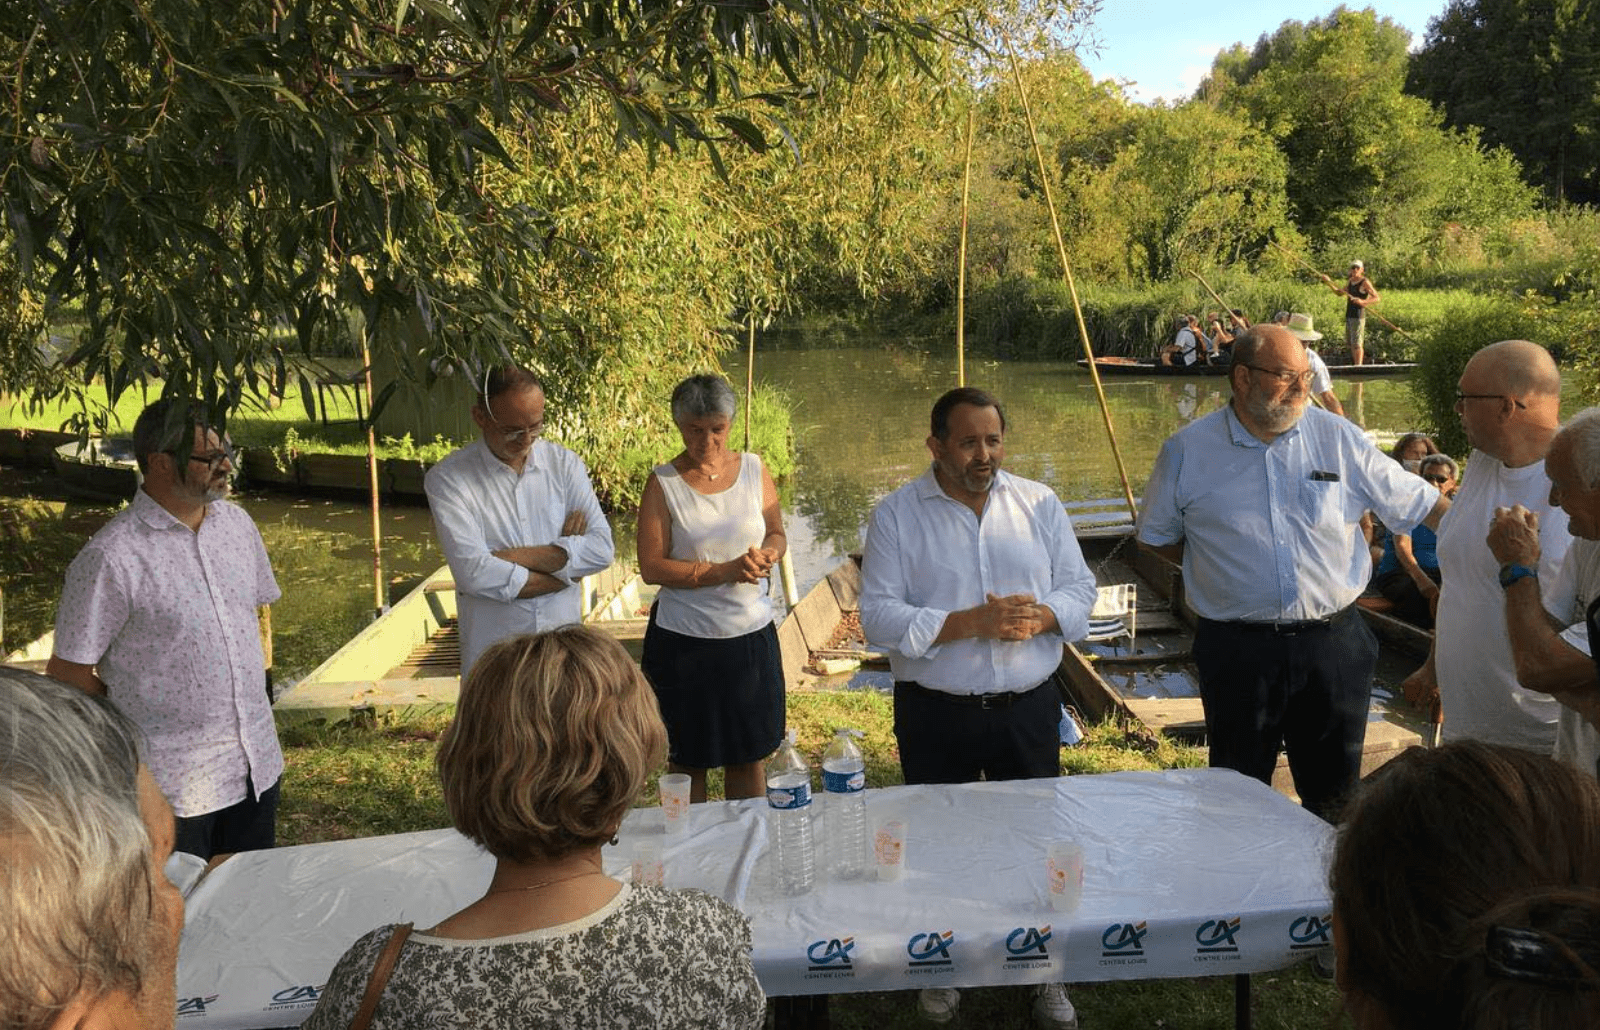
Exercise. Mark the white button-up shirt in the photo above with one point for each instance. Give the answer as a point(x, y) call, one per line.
point(928, 555)
point(480, 505)
point(1271, 532)
point(168, 615)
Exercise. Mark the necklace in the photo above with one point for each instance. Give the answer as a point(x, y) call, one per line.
point(543, 883)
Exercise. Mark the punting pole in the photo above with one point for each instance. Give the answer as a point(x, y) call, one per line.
point(1303, 263)
point(380, 603)
point(1072, 289)
point(791, 591)
point(961, 265)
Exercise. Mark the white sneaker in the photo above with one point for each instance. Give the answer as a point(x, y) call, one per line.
point(1053, 1009)
point(939, 1004)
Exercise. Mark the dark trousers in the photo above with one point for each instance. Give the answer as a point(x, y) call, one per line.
point(1305, 692)
point(948, 739)
point(249, 825)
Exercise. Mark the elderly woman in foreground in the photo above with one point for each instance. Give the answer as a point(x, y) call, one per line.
point(89, 924)
point(710, 530)
point(554, 736)
point(1466, 893)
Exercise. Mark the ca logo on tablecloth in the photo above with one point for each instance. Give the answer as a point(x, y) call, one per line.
point(1124, 939)
point(195, 1006)
point(1026, 943)
point(831, 954)
point(1216, 935)
point(1310, 932)
point(930, 949)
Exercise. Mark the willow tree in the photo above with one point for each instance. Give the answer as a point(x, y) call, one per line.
point(199, 191)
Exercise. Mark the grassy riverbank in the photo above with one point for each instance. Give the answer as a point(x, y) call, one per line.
point(356, 781)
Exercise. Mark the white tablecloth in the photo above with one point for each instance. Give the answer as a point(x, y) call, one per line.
point(1187, 873)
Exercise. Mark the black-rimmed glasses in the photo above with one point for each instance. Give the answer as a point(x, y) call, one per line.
point(212, 460)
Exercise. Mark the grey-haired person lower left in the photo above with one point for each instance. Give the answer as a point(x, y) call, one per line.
point(90, 925)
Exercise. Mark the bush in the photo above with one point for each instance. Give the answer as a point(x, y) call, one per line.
point(1462, 332)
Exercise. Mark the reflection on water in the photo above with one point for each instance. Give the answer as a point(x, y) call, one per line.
point(861, 419)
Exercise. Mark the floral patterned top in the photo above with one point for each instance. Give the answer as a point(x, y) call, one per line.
point(648, 958)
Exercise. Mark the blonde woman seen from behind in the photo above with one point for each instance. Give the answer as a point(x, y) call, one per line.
point(554, 737)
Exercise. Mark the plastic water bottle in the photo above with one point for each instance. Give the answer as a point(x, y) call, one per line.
point(789, 817)
point(844, 812)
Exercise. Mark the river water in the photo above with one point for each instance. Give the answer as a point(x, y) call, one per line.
point(860, 419)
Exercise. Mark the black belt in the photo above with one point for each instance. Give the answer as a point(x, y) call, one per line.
point(1001, 699)
point(1283, 629)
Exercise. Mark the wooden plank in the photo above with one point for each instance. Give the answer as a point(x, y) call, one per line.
point(792, 647)
point(845, 580)
point(1169, 714)
point(817, 615)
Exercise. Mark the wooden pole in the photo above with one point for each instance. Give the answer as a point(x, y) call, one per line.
point(1226, 310)
point(961, 264)
point(749, 378)
point(1330, 284)
point(380, 603)
point(1072, 289)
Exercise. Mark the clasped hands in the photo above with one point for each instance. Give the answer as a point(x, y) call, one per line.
point(1013, 617)
point(1514, 536)
point(754, 565)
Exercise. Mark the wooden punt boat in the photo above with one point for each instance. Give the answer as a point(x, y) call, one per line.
point(1111, 366)
point(409, 659)
point(97, 469)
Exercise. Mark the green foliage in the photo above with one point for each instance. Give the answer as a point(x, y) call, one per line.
point(1463, 330)
point(1528, 75)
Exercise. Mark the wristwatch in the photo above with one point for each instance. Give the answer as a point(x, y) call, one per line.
point(1511, 572)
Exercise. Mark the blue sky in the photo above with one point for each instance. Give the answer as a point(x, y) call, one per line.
point(1166, 46)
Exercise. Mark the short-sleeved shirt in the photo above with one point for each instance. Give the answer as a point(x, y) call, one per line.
point(481, 505)
point(1569, 599)
point(1472, 648)
point(168, 615)
point(928, 555)
point(647, 959)
point(1271, 532)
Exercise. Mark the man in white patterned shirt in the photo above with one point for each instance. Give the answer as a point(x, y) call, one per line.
point(159, 612)
point(517, 519)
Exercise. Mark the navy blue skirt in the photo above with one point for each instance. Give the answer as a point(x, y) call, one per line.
point(721, 698)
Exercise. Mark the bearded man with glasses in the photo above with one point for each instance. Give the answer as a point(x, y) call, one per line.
point(1262, 503)
point(517, 519)
point(159, 612)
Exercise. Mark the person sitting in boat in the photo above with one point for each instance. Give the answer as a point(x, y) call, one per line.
point(1510, 936)
point(1408, 572)
point(555, 735)
point(1189, 346)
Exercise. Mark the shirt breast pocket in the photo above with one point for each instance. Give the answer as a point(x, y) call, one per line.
point(1322, 502)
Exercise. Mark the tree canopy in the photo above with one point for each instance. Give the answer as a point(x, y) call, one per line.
point(1528, 74)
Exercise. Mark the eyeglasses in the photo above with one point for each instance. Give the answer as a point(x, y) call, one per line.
point(1285, 378)
point(1486, 397)
point(214, 459)
point(519, 433)
point(1437, 480)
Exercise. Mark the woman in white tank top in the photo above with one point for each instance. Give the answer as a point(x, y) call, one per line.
point(710, 531)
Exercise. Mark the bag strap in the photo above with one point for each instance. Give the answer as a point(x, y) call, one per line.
point(380, 977)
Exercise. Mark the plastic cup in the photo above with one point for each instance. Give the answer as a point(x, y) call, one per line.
point(1064, 867)
point(675, 801)
point(647, 865)
point(889, 848)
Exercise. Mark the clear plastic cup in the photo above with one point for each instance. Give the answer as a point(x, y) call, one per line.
point(1064, 868)
point(889, 848)
point(647, 865)
point(675, 801)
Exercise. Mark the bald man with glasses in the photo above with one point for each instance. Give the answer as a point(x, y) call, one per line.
point(517, 519)
point(159, 612)
point(1262, 502)
point(1509, 401)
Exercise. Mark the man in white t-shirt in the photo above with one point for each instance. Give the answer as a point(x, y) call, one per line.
point(1551, 626)
point(1508, 399)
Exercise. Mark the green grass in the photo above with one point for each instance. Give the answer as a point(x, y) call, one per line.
point(357, 781)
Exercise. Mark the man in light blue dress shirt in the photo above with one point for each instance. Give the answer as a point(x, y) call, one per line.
point(1261, 502)
point(516, 518)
